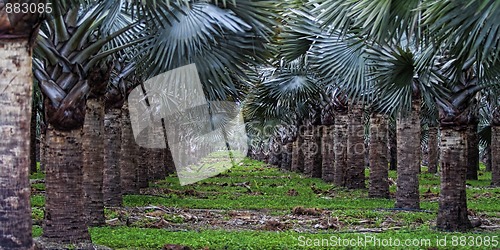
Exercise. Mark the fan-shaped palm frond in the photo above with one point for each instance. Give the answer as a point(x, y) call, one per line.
point(208, 36)
point(285, 92)
point(297, 36)
point(469, 28)
point(261, 15)
point(382, 21)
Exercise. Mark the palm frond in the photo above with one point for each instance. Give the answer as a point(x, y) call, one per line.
point(468, 28)
point(208, 36)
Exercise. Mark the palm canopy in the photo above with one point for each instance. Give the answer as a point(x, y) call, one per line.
point(69, 48)
point(469, 28)
point(390, 52)
point(208, 34)
point(203, 32)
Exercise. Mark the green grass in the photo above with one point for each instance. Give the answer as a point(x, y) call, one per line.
point(37, 200)
point(254, 185)
point(140, 238)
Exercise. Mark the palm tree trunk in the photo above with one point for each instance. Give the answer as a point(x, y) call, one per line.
point(327, 152)
point(487, 158)
point(312, 152)
point(112, 193)
point(433, 150)
point(308, 151)
point(495, 156)
point(452, 213)
point(144, 166)
point(15, 109)
point(340, 148)
point(65, 220)
point(128, 163)
point(157, 169)
point(393, 146)
point(472, 152)
point(379, 170)
point(93, 161)
point(317, 129)
point(355, 172)
point(297, 154)
point(409, 150)
point(169, 160)
point(275, 153)
point(43, 148)
point(33, 141)
point(286, 155)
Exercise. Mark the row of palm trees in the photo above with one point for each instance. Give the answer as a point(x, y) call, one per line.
point(333, 57)
point(418, 60)
point(85, 64)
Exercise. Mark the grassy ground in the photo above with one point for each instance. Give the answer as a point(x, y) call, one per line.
point(254, 206)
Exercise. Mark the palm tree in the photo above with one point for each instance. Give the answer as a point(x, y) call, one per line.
point(472, 64)
point(374, 56)
point(114, 99)
point(64, 77)
point(17, 31)
point(15, 110)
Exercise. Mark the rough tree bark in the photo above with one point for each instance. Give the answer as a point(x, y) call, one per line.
point(297, 154)
point(495, 156)
point(93, 161)
point(472, 152)
point(286, 154)
point(65, 220)
point(487, 158)
point(33, 126)
point(409, 150)
point(433, 150)
point(327, 152)
point(355, 172)
point(156, 169)
point(312, 151)
point(393, 146)
point(15, 110)
point(327, 141)
point(169, 160)
point(43, 148)
point(275, 152)
point(452, 214)
point(340, 147)
point(112, 193)
point(379, 170)
point(128, 160)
